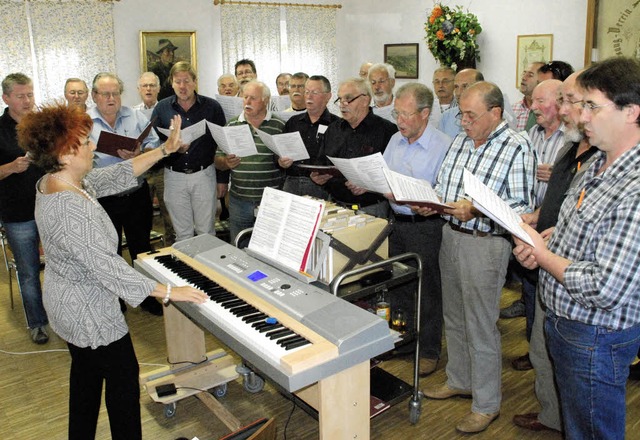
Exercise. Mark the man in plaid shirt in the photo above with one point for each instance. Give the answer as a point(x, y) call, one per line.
point(589, 278)
point(475, 251)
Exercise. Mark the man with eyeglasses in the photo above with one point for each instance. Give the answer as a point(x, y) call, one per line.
point(130, 211)
point(475, 250)
point(359, 133)
point(18, 177)
point(573, 160)
point(245, 71)
point(148, 89)
point(451, 118)
point(383, 79)
point(76, 93)
point(417, 150)
point(190, 178)
point(296, 92)
point(312, 126)
point(443, 79)
point(228, 85)
point(589, 282)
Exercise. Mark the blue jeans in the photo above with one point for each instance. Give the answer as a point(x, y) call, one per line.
point(241, 215)
point(24, 241)
point(591, 367)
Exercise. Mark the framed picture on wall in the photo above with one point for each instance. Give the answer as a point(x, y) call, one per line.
point(613, 29)
point(531, 49)
point(404, 58)
point(166, 48)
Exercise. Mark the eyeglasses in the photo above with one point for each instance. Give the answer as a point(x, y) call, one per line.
point(77, 92)
point(244, 72)
point(313, 93)
point(108, 95)
point(444, 82)
point(346, 100)
point(380, 81)
point(561, 101)
point(591, 107)
point(470, 118)
point(150, 85)
point(397, 115)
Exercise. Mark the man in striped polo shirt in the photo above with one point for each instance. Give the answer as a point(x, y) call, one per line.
point(250, 175)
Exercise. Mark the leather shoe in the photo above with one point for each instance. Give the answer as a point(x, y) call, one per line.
point(444, 391)
point(476, 422)
point(427, 366)
point(530, 421)
point(523, 363)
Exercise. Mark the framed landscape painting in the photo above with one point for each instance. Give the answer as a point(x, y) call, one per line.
point(404, 58)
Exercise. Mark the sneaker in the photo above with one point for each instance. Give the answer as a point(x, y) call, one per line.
point(515, 310)
point(39, 335)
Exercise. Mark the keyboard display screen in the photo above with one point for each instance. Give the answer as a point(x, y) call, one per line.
point(256, 276)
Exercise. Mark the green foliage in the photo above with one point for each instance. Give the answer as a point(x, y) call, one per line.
point(451, 35)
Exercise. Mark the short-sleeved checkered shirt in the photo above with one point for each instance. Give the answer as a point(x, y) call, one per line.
point(506, 163)
point(601, 238)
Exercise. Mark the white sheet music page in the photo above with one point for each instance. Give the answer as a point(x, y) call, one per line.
point(232, 106)
point(494, 207)
point(189, 134)
point(365, 172)
point(236, 139)
point(410, 190)
point(286, 227)
point(285, 144)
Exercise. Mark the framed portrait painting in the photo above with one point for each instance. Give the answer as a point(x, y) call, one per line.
point(404, 58)
point(166, 48)
point(531, 49)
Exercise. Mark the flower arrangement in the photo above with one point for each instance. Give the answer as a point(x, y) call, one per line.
point(451, 35)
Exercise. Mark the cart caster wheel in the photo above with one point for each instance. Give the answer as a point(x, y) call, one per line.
point(170, 410)
point(253, 383)
point(220, 390)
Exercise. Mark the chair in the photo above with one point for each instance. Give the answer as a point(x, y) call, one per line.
point(9, 262)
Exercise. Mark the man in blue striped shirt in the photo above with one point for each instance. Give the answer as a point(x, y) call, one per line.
point(589, 276)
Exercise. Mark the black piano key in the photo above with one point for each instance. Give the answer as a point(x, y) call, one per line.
point(255, 318)
point(301, 343)
point(286, 340)
point(258, 325)
point(292, 341)
point(270, 328)
point(233, 303)
point(277, 334)
point(243, 310)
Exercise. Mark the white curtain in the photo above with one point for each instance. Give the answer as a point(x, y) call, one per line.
point(311, 42)
point(252, 32)
point(280, 39)
point(55, 40)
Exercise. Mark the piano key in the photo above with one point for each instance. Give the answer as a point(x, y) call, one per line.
point(277, 334)
point(241, 330)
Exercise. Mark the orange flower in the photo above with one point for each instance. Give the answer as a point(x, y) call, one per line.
point(432, 19)
point(440, 35)
point(437, 11)
point(471, 31)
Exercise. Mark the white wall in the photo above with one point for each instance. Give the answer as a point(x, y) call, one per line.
point(364, 26)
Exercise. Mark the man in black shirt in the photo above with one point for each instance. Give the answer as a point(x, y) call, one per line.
point(312, 126)
point(359, 133)
point(18, 177)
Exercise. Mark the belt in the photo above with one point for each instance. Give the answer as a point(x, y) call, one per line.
point(403, 218)
point(187, 170)
point(476, 233)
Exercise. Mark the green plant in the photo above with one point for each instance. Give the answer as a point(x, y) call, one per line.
point(451, 35)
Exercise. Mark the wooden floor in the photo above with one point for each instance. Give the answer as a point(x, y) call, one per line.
point(34, 391)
